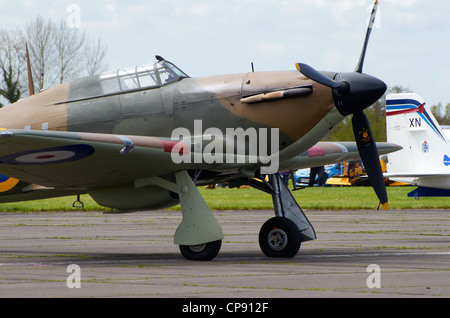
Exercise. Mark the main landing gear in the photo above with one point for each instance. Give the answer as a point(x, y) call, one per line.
point(201, 252)
point(281, 236)
point(200, 236)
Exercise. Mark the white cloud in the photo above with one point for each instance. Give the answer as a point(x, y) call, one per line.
point(110, 7)
point(270, 50)
point(201, 9)
point(29, 4)
point(402, 3)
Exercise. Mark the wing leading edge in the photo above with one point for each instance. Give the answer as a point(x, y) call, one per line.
point(81, 160)
point(44, 164)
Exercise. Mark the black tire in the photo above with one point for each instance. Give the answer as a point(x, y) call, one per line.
point(279, 238)
point(201, 252)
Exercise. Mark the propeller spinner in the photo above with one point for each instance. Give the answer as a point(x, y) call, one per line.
point(353, 92)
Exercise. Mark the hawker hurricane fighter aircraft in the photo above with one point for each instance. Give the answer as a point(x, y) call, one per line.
point(144, 138)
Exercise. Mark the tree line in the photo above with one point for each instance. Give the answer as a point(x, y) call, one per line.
point(57, 54)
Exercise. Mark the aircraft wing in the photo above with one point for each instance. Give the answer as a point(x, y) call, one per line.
point(58, 163)
point(325, 153)
point(82, 160)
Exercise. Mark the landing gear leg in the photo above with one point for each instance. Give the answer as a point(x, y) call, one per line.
point(199, 235)
point(281, 236)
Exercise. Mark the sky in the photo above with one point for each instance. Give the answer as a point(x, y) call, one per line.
point(409, 45)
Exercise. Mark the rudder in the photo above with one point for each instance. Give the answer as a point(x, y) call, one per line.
point(410, 124)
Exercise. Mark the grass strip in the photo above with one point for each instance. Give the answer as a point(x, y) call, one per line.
point(327, 198)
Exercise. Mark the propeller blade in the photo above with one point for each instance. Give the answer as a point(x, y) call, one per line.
point(318, 77)
point(359, 67)
point(369, 155)
point(353, 92)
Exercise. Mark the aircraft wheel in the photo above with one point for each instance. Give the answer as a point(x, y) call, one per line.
point(279, 238)
point(201, 252)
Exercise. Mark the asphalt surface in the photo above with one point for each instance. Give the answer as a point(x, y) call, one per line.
point(133, 255)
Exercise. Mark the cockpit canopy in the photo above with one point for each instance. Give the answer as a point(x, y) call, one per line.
point(161, 73)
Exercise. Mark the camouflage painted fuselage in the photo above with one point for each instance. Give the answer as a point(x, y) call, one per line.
point(143, 107)
point(82, 106)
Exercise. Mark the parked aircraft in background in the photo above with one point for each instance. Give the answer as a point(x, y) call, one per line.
point(424, 160)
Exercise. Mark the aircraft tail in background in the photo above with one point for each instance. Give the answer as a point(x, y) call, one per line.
point(425, 157)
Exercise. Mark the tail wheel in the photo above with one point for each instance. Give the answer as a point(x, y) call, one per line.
point(279, 238)
point(201, 252)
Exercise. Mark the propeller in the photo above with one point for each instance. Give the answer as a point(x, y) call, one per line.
point(353, 92)
point(359, 66)
point(369, 156)
point(320, 78)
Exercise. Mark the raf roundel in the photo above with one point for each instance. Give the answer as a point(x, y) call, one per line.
point(7, 183)
point(49, 155)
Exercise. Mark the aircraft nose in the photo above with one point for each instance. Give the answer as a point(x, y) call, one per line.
point(363, 91)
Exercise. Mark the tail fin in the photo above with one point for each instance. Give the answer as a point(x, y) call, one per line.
point(411, 124)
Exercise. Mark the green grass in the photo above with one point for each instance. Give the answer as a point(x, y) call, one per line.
point(329, 198)
point(52, 205)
